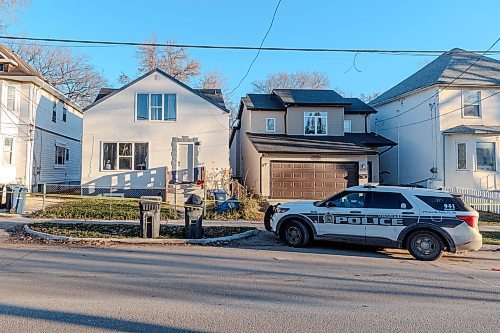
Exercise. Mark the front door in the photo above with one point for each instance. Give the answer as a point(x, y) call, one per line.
point(185, 163)
point(342, 217)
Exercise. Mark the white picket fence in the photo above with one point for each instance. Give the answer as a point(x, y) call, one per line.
point(486, 201)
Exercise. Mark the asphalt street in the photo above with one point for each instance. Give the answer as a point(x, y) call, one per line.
point(256, 285)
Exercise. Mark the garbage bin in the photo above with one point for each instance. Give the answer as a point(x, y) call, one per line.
point(16, 199)
point(193, 217)
point(220, 195)
point(150, 208)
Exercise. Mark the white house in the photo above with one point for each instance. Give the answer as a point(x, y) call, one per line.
point(153, 131)
point(40, 129)
point(446, 121)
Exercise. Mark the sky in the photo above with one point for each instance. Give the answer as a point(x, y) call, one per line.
point(441, 25)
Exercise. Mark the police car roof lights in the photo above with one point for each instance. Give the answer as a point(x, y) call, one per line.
point(370, 185)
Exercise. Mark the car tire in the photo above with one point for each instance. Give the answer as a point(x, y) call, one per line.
point(425, 246)
point(296, 234)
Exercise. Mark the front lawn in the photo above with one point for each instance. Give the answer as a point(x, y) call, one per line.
point(486, 218)
point(491, 237)
point(100, 209)
point(91, 230)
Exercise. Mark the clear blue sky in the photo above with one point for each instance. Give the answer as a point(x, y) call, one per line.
point(326, 24)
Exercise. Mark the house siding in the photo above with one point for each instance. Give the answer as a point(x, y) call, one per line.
point(358, 123)
point(258, 124)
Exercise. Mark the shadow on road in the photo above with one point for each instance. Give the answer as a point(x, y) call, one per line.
point(86, 320)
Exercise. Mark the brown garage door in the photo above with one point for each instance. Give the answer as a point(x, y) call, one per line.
point(311, 180)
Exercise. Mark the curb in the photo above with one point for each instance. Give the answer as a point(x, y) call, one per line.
point(489, 247)
point(204, 241)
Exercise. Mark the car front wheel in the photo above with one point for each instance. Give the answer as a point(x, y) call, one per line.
point(296, 234)
point(425, 245)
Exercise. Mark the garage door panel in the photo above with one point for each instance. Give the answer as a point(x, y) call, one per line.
point(311, 180)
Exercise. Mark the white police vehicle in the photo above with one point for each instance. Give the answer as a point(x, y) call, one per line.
point(424, 221)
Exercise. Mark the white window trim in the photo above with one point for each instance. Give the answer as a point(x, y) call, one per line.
point(12, 153)
point(463, 105)
point(495, 159)
point(315, 127)
point(61, 145)
point(274, 125)
point(149, 109)
point(350, 125)
point(101, 155)
point(467, 164)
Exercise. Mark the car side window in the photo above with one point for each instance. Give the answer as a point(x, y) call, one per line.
point(350, 200)
point(389, 200)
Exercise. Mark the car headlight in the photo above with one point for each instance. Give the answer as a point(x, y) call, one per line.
point(281, 210)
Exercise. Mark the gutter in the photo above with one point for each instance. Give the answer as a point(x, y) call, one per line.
point(385, 151)
point(260, 174)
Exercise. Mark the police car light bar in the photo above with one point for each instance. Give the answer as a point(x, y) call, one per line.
point(371, 185)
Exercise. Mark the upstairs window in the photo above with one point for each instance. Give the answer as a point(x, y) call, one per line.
point(54, 112)
point(124, 156)
point(65, 113)
point(11, 98)
point(271, 125)
point(61, 156)
point(471, 103)
point(486, 156)
point(315, 123)
point(156, 107)
point(347, 126)
point(8, 145)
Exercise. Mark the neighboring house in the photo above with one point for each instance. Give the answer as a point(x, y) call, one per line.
point(153, 131)
point(446, 121)
point(40, 129)
point(299, 143)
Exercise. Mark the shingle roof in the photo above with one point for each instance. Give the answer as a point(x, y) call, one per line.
point(213, 94)
point(444, 69)
point(473, 129)
point(350, 143)
point(309, 97)
point(21, 69)
point(263, 102)
point(358, 106)
point(103, 92)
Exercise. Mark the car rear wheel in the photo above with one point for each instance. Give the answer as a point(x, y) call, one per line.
point(425, 245)
point(296, 234)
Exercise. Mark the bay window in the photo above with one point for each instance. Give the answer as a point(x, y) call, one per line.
point(156, 107)
point(315, 123)
point(124, 156)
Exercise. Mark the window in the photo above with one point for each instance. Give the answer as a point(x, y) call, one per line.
point(8, 144)
point(347, 126)
point(486, 156)
point(471, 103)
point(62, 155)
point(461, 156)
point(3, 68)
point(11, 98)
point(124, 156)
point(54, 112)
point(349, 200)
point(315, 123)
point(444, 203)
point(389, 200)
point(270, 124)
point(65, 112)
point(157, 107)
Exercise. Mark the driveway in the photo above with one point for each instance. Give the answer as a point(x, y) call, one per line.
point(255, 285)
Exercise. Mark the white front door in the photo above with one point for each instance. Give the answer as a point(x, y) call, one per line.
point(185, 162)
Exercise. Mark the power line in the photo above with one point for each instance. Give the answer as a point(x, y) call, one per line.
point(440, 90)
point(434, 117)
point(260, 49)
point(240, 47)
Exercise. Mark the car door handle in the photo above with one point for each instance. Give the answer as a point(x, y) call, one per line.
point(355, 212)
point(408, 213)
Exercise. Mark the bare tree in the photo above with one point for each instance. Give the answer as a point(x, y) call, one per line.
point(368, 97)
point(297, 80)
point(8, 9)
point(71, 74)
point(174, 61)
point(123, 78)
point(213, 80)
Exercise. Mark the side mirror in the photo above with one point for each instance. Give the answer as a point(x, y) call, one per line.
point(330, 204)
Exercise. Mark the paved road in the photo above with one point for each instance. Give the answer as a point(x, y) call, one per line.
point(256, 285)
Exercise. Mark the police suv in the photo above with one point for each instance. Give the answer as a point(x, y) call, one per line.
point(426, 222)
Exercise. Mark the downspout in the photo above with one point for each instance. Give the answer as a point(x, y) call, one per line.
point(385, 151)
point(260, 174)
point(366, 123)
point(286, 114)
point(444, 159)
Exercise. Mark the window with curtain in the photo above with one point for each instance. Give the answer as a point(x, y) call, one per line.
point(471, 103)
point(157, 107)
point(315, 123)
point(170, 107)
point(61, 156)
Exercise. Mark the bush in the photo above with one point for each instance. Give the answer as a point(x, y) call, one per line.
point(251, 210)
point(100, 209)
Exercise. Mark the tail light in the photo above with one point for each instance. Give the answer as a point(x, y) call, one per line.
point(470, 220)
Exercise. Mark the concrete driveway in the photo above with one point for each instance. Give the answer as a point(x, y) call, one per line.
point(256, 285)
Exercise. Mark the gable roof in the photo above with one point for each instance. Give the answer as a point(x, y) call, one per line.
point(473, 129)
point(263, 102)
point(358, 106)
point(292, 97)
point(210, 95)
point(446, 68)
